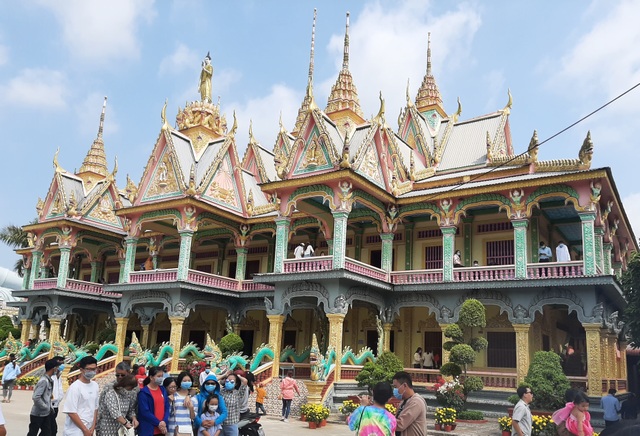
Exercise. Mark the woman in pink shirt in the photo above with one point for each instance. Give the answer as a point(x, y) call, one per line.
point(287, 386)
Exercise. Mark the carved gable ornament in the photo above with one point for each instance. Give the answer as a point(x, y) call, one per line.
point(222, 188)
point(499, 322)
point(370, 166)
point(103, 211)
point(164, 182)
point(315, 156)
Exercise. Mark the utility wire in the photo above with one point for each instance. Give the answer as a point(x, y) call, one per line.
point(477, 176)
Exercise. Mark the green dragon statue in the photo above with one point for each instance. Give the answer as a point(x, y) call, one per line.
point(349, 358)
point(145, 357)
point(289, 354)
point(316, 360)
point(264, 351)
point(26, 354)
point(211, 351)
point(11, 346)
point(191, 349)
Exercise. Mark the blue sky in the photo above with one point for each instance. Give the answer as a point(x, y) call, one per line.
point(58, 59)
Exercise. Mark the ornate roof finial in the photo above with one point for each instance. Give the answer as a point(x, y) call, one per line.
point(345, 56)
point(96, 160)
point(56, 166)
point(252, 140)
point(586, 151)
point(313, 44)
point(507, 108)
point(234, 128)
point(282, 129)
point(409, 102)
point(429, 95)
point(458, 112)
point(308, 102)
point(380, 117)
point(429, 54)
point(115, 169)
point(101, 126)
point(163, 115)
point(533, 147)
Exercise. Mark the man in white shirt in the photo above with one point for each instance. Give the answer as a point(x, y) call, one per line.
point(309, 251)
point(204, 374)
point(544, 253)
point(81, 404)
point(9, 375)
point(299, 251)
point(428, 360)
point(562, 253)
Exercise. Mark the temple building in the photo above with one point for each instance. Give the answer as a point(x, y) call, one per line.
point(204, 243)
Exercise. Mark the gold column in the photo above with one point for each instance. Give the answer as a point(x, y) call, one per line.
point(608, 366)
point(236, 329)
point(594, 364)
point(54, 332)
point(121, 333)
point(386, 346)
point(336, 321)
point(144, 341)
point(445, 353)
point(275, 340)
point(26, 330)
point(522, 350)
point(175, 337)
point(623, 362)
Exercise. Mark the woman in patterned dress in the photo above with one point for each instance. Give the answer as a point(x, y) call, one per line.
point(184, 410)
point(117, 407)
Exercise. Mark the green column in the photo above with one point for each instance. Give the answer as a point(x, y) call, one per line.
point(408, 246)
point(25, 278)
point(387, 251)
point(599, 236)
point(467, 230)
point(129, 258)
point(121, 276)
point(63, 268)
point(282, 241)
point(44, 271)
point(448, 245)
point(184, 258)
point(535, 238)
point(339, 238)
point(520, 241)
point(222, 255)
point(330, 246)
point(35, 267)
point(241, 262)
point(617, 269)
point(588, 243)
point(94, 271)
point(606, 258)
point(358, 243)
point(271, 247)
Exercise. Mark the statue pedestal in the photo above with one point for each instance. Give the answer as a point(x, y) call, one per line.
point(315, 391)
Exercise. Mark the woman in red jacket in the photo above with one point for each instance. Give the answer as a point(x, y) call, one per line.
point(287, 387)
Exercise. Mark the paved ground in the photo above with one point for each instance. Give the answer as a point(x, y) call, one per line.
point(17, 416)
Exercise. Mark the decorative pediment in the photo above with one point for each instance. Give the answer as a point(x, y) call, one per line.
point(500, 321)
point(223, 188)
point(165, 180)
point(369, 166)
point(102, 211)
point(57, 206)
point(315, 155)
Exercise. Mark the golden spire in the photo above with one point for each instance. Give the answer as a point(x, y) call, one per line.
point(252, 139)
point(428, 95)
point(344, 94)
point(308, 102)
point(96, 160)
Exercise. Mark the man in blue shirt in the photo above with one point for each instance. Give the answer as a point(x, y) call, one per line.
point(9, 376)
point(611, 406)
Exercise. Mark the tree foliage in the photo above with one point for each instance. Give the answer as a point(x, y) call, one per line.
point(230, 344)
point(383, 369)
point(15, 237)
point(631, 288)
point(547, 381)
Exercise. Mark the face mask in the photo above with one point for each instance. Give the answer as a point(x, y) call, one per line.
point(89, 374)
point(229, 385)
point(397, 394)
point(159, 380)
point(207, 370)
point(209, 388)
point(213, 408)
point(61, 368)
point(186, 385)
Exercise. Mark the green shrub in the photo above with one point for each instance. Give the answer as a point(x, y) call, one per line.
point(472, 384)
point(471, 415)
point(454, 332)
point(472, 314)
point(547, 381)
point(383, 369)
point(479, 344)
point(230, 344)
point(462, 354)
point(450, 369)
point(106, 335)
point(91, 348)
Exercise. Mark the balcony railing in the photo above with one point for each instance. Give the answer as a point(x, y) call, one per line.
point(308, 264)
point(364, 269)
point(154, 276)
point(418, 276)
point(199, 278)
point(555, 269)
point(76, 286)
point(484, 273)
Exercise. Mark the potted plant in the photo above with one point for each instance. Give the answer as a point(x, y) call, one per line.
point(505, 425)
point(304, 409)
point(445, 418)
point(347, 408)
point(324, 414)
point(542, 425)
point(315, 413)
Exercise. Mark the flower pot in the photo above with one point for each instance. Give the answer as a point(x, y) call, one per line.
point(312, 425)
point(303, 418)
point(438, 426)
point(323, 423)
point(453, 426)
point(447, 427)
point(506, 433)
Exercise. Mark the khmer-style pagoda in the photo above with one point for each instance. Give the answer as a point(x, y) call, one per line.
point(203, 243)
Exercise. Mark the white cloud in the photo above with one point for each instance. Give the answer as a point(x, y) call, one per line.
point(101, 32)
point(265, 113)
point(183, 58)
point(4, 55)
point(632, 208)
point(40, 88)
point(383, 45)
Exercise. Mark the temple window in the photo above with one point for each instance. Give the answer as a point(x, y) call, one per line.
point(500, 252)
point(501, 352)
point(433, 257)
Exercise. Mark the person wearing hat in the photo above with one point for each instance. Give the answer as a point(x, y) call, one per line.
point(299, 251)
point(40, 418)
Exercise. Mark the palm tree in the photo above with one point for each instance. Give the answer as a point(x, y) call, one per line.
point(15, 237)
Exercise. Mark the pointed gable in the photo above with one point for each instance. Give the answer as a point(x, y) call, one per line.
point(102, 209)
point(367, 156)
point(260, 163)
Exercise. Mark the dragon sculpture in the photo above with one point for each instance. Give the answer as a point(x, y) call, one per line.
point(146, 357)
point(73, 354)
point(26, 354)
point(289, 354)
point(349, 357)
point(264, 351)
point(11, 346)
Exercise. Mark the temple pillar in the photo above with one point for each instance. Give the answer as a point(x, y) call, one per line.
point(387, 251)
point(445, 353)
point(175, 338)
point(408, 246)
point(336, 321)
point(26, 273)
point(26, 330)
point(144, 340)
point(121, 333)
point(275, 340)
point(386, 327)
point(520, 241)
point(129, 258)
point(330, 246)
point(54, 331)
point(467, 231)
point(241, 262)
point(271, 250)
point(599, 239)
point(534, 234)
point(607, 249)
point(358, 242)
point(121, 276)
point(94, 271)
point(622, 362)
point(44, 270)
point(588, 243)
point(35, 267)
point(282, 242)
point(617, 269)
point(63, 268)
point(339, 238)
point(594, 365)
point(522, 351)
point(448, 246)
point(184, 258)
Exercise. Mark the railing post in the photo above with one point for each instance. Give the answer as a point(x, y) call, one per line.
point(63, 268)
point(184, 258)
point(588, 242)
point(282, 241)
point(339, 238)
point(448, 245)
point(35, 267)
point(520, 241)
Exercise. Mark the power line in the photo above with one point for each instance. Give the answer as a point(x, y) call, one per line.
point(477, 176)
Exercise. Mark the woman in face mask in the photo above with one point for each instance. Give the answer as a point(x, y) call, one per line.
point(153, 405)
point(208, 388)
point(115, 401)
point(234, 389)
point(183, 411)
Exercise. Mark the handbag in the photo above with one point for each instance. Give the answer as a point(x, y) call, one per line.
point(184, 430)
point(124, 431)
